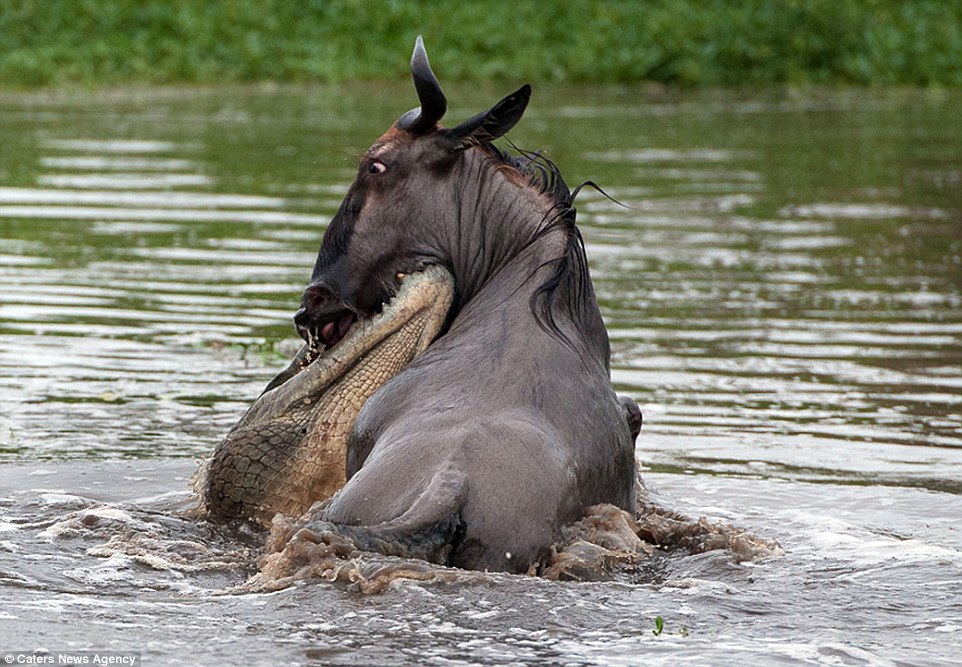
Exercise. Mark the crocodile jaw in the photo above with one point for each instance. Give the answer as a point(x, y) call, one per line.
point(290, 448)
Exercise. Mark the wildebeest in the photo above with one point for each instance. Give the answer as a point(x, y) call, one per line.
point(504, 427)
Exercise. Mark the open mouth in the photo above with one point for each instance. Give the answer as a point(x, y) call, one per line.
point(343, 333)
point(328, 330)
point(327, 334)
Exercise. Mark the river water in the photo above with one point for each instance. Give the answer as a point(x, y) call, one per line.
point(784, 296)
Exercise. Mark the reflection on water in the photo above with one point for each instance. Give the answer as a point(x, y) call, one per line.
point(783, 287)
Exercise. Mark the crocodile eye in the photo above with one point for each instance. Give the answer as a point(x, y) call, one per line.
point(376, 168)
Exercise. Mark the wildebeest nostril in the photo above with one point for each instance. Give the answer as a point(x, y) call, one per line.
point(317, 297)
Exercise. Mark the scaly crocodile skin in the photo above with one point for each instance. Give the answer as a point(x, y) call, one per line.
point(290, 449)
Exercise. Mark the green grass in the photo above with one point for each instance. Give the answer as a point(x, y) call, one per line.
point(684, 42)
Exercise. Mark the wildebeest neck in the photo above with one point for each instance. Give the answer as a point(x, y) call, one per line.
point(518, 240)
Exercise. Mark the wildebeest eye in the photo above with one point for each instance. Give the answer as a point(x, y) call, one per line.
point(376, 168)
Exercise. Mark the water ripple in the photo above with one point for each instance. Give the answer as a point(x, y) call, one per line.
point(740, 311)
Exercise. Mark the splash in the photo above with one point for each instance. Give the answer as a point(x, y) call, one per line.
point(179, 551)
point(606, 544)
point(293, 553)
point(136, 549)
point(671, 530)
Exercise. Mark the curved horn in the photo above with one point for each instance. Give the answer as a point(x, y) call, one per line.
point(433, 101)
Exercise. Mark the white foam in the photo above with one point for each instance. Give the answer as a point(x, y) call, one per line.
point(63, 499)
point(72, 524)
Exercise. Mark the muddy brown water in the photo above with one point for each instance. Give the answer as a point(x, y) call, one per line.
point(785, 302)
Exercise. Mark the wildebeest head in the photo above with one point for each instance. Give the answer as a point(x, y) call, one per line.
point(403, 211)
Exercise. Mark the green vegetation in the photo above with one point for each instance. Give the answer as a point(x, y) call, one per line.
point(660, 628)
point(685, 42)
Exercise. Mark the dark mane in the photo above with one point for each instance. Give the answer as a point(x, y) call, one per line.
point(568, 288)
point(540, 172)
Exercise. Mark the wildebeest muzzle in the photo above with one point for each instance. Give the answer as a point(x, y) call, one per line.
point(323, 319)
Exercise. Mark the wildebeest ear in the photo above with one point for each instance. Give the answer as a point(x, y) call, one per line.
point(495, 122)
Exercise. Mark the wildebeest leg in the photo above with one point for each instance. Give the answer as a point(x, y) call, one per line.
point(427, 530)
point(632, 414)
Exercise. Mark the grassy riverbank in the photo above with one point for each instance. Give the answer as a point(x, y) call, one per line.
point(686, 42)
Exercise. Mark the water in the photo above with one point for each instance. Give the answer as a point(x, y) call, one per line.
point(784, 298)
